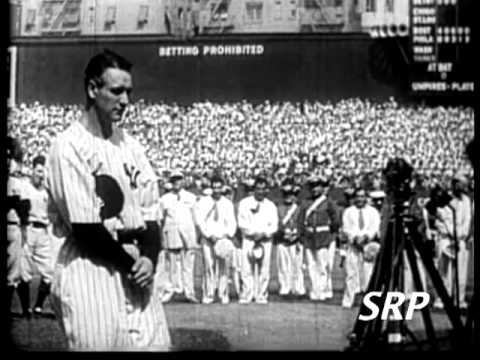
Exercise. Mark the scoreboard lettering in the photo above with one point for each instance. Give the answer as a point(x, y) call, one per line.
point(441, 46)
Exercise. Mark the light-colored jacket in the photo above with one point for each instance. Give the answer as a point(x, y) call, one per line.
point(463, 215)
point(257, 217)
point(176, 216)
point(350, 222)
point(222, 227)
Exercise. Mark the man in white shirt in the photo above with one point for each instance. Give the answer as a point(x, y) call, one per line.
point(453, 221)
point(361, 225)
point(258, 221)
point(176, 218)
point(216, 221)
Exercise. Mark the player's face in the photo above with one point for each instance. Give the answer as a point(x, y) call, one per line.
point(112, 98)
point(260, 191)
point(38, 174)
point(289, 199)
point(458, 187)
point(217, 190)
point(318, 191)
point(177, 185)
point(360, 199)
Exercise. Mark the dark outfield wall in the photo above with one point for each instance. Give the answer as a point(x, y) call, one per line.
point(328, 67)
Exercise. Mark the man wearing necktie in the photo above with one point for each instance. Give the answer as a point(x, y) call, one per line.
point(216, 221)
point(361, 225)
point(258, 221)
point(176, 218)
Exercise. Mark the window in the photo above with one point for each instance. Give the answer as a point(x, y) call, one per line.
point(31, 19)
point(389, 5)
point(254, 11)
point(110, 19)
point(293, 9)
point(310, 4)
point(277, 12)
point(91, 15)
point(72, 14)
point(142, 16)
point(371, 6)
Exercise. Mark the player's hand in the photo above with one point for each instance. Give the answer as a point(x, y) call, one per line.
point(112, 225)
point(142, 272)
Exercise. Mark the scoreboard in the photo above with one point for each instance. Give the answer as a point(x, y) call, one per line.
point(441, 47)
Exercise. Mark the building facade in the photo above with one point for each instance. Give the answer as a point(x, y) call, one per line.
point(43, 18)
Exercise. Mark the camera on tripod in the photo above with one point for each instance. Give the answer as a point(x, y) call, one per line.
point(402, 243)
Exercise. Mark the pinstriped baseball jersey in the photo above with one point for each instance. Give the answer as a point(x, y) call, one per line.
point(17, 266)
point(39, 249)
point(98, 307)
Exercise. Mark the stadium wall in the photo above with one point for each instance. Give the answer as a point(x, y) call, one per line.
point(320, 67)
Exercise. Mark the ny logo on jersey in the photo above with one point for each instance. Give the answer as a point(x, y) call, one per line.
point(132, 173)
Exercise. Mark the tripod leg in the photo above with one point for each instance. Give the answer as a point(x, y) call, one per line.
point(387, 283)
point(376, 283)
point(452, 312)
point(469, 324)
point(427, 319)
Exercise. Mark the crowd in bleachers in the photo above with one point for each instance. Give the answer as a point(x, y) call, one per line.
point(349, 138)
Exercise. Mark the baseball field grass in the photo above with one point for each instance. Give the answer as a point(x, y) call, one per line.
point(282, 324)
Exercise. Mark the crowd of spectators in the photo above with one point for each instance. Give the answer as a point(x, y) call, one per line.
point(350, 138)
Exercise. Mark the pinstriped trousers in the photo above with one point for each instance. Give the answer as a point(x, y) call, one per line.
point(100, 310)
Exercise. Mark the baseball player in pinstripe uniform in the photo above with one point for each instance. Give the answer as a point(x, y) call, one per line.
point(103, 188)
point(18, 207)
point(39, 245)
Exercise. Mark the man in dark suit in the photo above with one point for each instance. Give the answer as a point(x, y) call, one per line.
point(319, 224)
point(287, 240)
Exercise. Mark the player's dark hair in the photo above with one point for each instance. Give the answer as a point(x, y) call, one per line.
point(101, 62)
point(39, 160)
point(260, 180)
point(216, 179)
point(358, 189)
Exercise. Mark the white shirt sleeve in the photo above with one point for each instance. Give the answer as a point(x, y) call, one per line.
point(200, 215)
point(272, 221)
point(348, 224)
point(231, 225)
point(372, 223)
point(444, 222)
point(244, 217)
